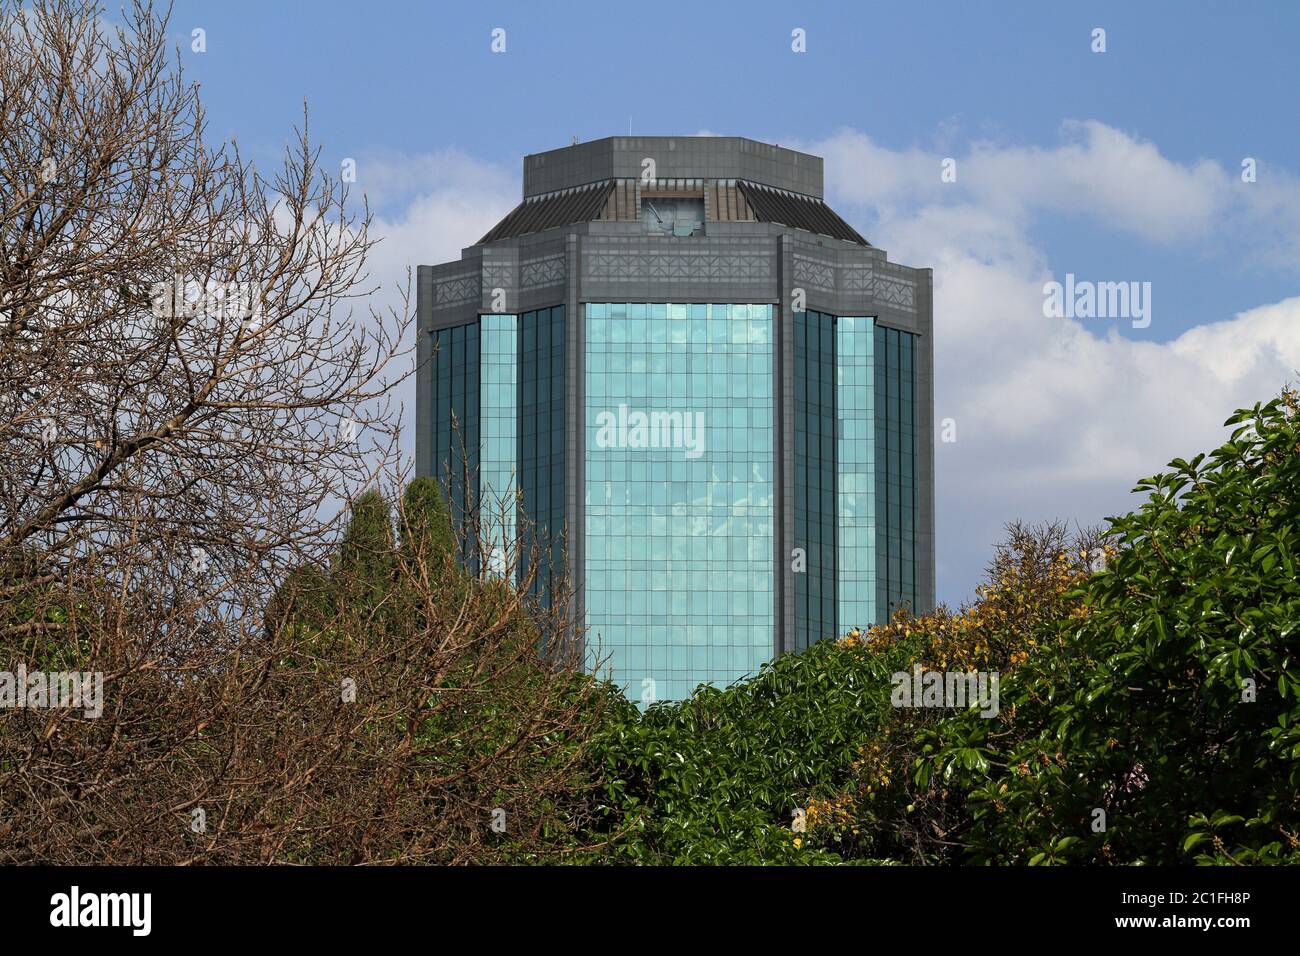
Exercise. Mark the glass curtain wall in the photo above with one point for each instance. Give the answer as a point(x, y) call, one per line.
point(679, 571)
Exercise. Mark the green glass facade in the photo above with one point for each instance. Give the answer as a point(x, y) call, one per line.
point(814, 477)
point(498, 435)
point(834, 477)
point(541, 445)
point(896, 485)
point(456, 396)
point(679, 578)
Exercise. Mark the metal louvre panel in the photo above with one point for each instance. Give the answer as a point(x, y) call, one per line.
point(797, 212)
point(563, 209)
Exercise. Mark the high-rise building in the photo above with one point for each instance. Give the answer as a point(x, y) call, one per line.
point(699, 388)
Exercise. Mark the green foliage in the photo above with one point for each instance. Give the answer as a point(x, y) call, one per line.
point(1142, 709)
point(718, 778)
point(426, 522)
point(451, 697)
point(305, 597)
point(37, 611)
point(365, 559)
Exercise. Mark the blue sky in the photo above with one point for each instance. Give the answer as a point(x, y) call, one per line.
point(1116, 166)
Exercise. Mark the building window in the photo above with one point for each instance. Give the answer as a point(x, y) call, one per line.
point(896, 493)
point(455, 445)
point(855, 489)
point(834, 477)
point(498, 441)
point(814, 476)
point(673, 215)
point(498, 438)
point(541, 448)
point(679, 576)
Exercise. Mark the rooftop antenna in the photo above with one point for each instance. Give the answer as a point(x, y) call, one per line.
point(575, 141)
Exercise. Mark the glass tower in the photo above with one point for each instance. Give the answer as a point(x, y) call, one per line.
point(698, 403)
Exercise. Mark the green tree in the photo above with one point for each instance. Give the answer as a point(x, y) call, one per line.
point(365, 563)
point(425, 526)
point(1168, 708)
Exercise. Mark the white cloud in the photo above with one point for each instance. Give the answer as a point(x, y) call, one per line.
point(1095, 172)
point(433, 205)
point(430, 207)
point(1057, 418)
point(1107, 174)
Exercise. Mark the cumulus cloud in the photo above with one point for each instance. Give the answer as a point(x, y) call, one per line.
point(1105, 173)
point(1056, 418)
point(1094, 171)
point(430, 206)
point(427, 208)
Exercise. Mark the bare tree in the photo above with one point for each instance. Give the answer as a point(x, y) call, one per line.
point(186, 395)
point(184, 385)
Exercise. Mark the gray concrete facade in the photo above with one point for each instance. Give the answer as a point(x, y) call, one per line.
point(675, 157)
point(733, 262)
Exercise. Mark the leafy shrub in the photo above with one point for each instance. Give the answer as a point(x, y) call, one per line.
point(718, 778)
point(1142, 709)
